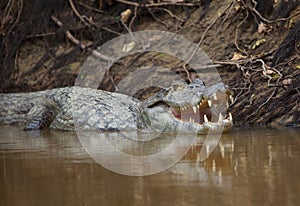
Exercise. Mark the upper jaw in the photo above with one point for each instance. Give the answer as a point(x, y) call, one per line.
point(162, 118)
point(165, 121)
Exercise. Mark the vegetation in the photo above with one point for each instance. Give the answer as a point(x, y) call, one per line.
point(253, 43)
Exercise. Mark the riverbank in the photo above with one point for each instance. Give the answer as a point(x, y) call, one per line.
point(44, 44)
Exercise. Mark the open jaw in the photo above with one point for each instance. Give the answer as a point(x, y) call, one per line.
point(201, 113)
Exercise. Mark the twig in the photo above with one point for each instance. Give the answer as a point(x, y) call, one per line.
point(8, 7)
point(128, 3)
point(242, 91)
point(101, 56)
point(133, 18)
point(157, 4)
point(171, 3)
point(245, 61)
point(77, 13)
point(90, 20)
point(40, 35)
point(157, 19)
point(7, 16)
point(269, 98)
point(16, 60)
point(237, 32)
point(89, 7)
point(170, 13)
point(109, 30)
point(265, 72)
point(253, 9)
point(68, 34)
point(205, 32)
point(18, 16)
point(78, 43)
point(187, 73)
point(226, 17)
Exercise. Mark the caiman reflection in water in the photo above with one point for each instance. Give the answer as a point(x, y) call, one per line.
point(248, 167)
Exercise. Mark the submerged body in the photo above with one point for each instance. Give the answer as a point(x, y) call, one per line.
point(181, 107)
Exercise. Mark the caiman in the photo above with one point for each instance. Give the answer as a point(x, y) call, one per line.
point(180, 107)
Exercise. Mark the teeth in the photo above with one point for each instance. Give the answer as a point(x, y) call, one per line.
point(220, 117)
point(192, 120)
point(195, 109)
point(198, 107)
point(215, 96)
point(205, 118)
point(230, 117)
point(209, 103)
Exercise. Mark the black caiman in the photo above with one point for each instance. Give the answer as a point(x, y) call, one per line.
point(180, 107)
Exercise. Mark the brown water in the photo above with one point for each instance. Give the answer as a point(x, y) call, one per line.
point(249, 167)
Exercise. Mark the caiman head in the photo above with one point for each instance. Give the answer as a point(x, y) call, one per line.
point(186, 107)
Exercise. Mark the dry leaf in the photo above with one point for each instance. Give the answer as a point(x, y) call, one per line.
point(264, 28)
point(128, 47)
point(237, 56)
point(287, 81)
point(269, 72)
point(237, 6)
point(125, 15)
point(261, 28)
point(258, 43)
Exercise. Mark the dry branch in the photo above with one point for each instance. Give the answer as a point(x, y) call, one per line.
point(68, 34)
point(77, 13)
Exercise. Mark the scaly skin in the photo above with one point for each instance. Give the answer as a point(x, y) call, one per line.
point(91, 109)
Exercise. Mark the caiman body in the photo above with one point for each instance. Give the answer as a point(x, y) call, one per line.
point(181, 107)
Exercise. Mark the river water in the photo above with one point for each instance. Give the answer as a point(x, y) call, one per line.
point(248, 167)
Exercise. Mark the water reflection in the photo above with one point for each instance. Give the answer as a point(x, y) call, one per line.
point(249, 167)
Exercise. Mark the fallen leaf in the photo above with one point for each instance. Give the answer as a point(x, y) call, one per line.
point(269, 71)
point(125, 15)
point(261, 27)
point(128, 47)
point(258, 43)
point(287, 81)
point(291, 24)
point(237, 7)
point(264, 28)
point(237, 56)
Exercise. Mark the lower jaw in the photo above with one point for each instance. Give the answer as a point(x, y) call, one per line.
point(222, 125)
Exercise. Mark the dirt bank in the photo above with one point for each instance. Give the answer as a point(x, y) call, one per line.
point(253, 44)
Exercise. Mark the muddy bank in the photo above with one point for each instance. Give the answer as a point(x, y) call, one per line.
point(254, 46)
